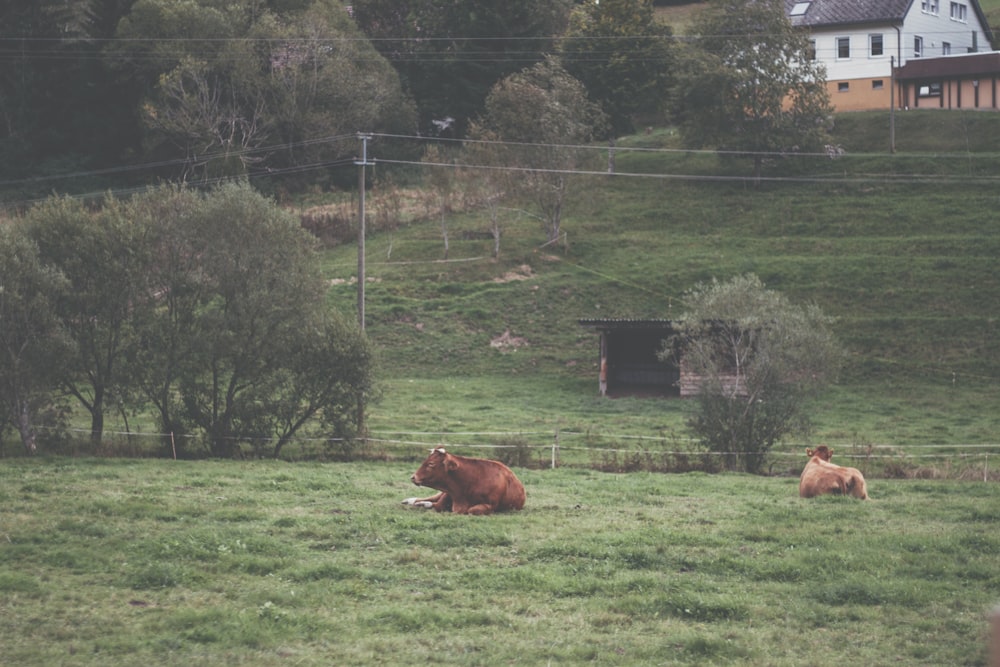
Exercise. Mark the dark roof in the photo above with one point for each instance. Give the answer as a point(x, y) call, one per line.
point(848, 12)
point(832, 13)
point(960, 65)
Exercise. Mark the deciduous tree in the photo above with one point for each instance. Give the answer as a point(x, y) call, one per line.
point(748, 86)
point(545, 117)
point(101, 256)
point(33, 346)
point(761, 360)
point(208, 308)
point(485, 182)
point(622, 55)
point(256, 352)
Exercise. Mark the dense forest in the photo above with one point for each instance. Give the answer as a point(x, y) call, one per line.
point(98, 94)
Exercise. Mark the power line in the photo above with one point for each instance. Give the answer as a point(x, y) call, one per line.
point(679, 151)
point(886, 179)
point(863, 179)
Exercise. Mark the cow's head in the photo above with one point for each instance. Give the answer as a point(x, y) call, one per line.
point(435, 468)
point(823, 452)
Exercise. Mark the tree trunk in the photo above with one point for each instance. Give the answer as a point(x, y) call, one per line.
point(25, 428)
point(97, 423)
point(444, 232)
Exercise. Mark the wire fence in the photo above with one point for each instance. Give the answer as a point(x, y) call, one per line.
point(620, 452)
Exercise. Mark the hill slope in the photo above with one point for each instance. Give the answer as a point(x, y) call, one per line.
point(900, 248)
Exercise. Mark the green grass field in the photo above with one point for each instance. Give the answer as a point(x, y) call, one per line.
point(126, 562)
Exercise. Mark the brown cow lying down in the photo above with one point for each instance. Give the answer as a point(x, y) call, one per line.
point(467, 485)
point(820, 477)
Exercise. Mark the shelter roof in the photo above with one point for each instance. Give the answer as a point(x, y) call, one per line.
point(608, 324)
point(963, 64)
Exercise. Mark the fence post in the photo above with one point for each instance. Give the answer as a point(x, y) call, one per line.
point(555, 449)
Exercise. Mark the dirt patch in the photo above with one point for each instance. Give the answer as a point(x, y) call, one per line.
point(353, 280)
point(505, 342)
point(522, 272)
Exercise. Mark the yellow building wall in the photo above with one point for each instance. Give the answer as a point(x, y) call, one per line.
point(860, 95)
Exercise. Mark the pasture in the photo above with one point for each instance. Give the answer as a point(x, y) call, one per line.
point(156, 562)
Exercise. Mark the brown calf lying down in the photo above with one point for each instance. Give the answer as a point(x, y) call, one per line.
point(467, 485)
point(820, 477)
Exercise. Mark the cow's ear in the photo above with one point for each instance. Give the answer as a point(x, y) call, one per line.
point(809, 452)
point(450, 464)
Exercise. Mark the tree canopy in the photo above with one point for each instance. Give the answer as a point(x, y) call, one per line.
point(155, 89)
point(622, 55)
point(236, 88)
point(60, 110)
point(451, 53)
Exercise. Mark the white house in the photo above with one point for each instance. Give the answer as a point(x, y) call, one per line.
point(861, 41)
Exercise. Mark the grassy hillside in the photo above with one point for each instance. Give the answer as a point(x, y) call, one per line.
point(900, 248)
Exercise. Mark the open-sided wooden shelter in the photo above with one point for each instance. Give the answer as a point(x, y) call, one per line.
point(629, 357)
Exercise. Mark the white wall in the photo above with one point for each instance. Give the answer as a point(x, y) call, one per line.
point(935, 30)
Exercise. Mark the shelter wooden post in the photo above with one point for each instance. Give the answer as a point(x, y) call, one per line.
point(603, 373)
point(995, 637)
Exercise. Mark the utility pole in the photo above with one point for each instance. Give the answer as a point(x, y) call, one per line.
point(892, 104)
point(363, 162)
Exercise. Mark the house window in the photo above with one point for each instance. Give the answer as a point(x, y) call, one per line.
point(811, 50)
point(918, 47)
point(843, 47)
point(843, 86)
point(799, 9)
point(945, 48)
point(929, 90)
point(876, 45)
point(929, 7)
point(959, 12)
point(877, 84)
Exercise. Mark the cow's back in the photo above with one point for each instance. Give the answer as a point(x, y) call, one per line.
point(514, 495)
point(820, 477)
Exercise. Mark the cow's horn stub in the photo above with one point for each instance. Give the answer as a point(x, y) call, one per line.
point(438, 450)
